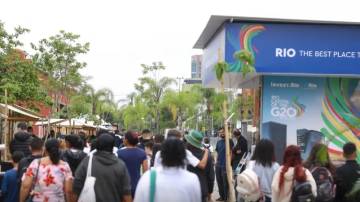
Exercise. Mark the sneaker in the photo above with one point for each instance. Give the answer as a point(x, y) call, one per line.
point(220, 199)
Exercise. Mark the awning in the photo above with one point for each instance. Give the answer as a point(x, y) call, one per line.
point(52, 121)
point(19, 111)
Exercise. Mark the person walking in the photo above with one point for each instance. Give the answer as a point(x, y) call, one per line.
point(158, 140)
point(9, 186)
point(190, 158)
point(239, 150)
point(52, 177)
point(171, 182)
point(220, 168)
point(30, 131)
point(146, 136)
point(118, 139)
point(134, 158)
point(289, 175)
point(264, 165)
point(322, 169)
point(206, 176)
point(112, 179)
point(22, 140)
point(36, 153)
point(74, 153)
point(347, 174)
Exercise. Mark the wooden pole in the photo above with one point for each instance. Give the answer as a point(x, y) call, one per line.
point(229, 172)
point(6, 128)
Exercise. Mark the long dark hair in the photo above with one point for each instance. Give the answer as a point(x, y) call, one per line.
point(52, 147)
point(173, 153)
point(264, 153)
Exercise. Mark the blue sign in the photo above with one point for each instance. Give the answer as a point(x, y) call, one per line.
point(296, 48)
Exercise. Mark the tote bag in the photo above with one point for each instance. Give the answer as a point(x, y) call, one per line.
point(88, 192)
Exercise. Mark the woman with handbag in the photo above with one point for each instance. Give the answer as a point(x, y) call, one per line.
point(48, 178)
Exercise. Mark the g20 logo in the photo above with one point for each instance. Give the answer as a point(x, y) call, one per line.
point(283, 112)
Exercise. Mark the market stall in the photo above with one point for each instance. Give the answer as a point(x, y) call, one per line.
point(10, 116)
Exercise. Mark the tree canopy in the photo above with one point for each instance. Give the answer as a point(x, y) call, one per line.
point(18, 74)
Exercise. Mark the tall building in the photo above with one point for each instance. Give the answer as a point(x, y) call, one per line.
point(276, 132)
point(306, 139)
point(196, 66)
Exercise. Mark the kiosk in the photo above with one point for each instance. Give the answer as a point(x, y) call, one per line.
point(307, 76)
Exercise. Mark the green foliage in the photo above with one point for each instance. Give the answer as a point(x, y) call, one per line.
point(57, 58)
point(79, 106)
point(248, 61)
point(17, 74)
point(154, 67)
point(220, 69)
point(134, 115)
point(150, 89)
point(181, 104)
point(241, 107)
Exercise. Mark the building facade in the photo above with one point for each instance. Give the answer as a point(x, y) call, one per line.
point(196, 61)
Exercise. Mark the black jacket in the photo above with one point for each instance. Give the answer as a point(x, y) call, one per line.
point(112, 178)
point(73, 158)
point(345, 178)
point(242, 147)
point(21, 142)
point(206, 176)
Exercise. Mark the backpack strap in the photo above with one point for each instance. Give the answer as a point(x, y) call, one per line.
point(89, 167)
point(152, 184)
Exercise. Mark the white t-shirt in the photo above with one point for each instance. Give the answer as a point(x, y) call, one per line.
point(172, 184)
point(190, 159)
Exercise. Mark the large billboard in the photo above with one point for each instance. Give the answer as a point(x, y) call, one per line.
point(307, 110)
point(296, 48)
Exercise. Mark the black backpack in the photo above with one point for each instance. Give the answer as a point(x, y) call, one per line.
point(324, 184)
point(302, 192)
point(23, 165)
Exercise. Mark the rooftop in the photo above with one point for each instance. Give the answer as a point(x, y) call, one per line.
point(216, 22)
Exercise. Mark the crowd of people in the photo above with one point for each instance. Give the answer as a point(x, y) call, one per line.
point(141, 167)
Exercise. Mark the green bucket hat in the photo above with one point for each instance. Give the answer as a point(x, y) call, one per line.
point(194, 138)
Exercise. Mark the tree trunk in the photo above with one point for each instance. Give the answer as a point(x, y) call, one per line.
point(229, 173)
point(157, 120)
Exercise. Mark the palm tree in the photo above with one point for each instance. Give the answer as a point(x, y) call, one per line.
point(98, 97)
point(151, 91)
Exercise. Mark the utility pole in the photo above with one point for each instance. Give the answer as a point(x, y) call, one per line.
point(179, 82)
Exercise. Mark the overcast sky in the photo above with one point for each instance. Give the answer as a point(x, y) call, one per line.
point(126, 33)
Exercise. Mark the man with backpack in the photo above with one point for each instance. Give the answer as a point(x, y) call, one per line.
point(74, 154)
point(22, 140)
point(206, 176)
point(347, 175)
point(36, 146)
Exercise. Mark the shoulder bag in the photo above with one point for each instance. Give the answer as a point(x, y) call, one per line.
point(88, 192)
point(31, 195)
point(152, 184)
